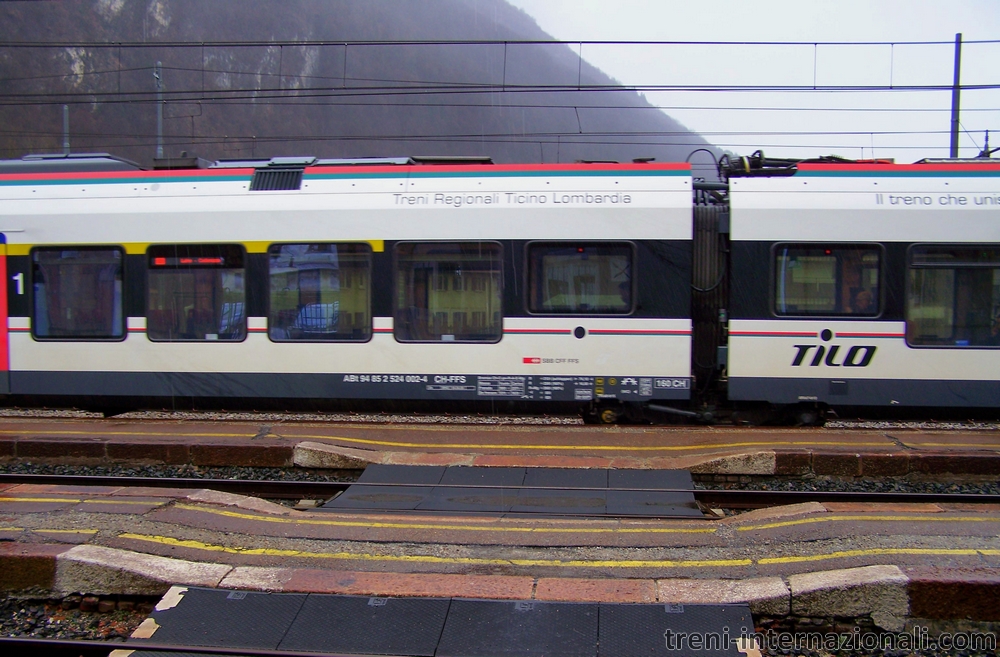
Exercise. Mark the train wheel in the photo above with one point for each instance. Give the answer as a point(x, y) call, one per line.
point(609, 414)
point(807, 416)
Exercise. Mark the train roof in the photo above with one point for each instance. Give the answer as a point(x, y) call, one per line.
point(758, 165)
point(67, 162)
point(82, 162)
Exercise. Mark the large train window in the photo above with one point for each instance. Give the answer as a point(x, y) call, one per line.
point(580, 278)
point(196, 292)
point(77, 293)
point(827, 280)
point(448, 292)
point(953, 296)
point(320, 292)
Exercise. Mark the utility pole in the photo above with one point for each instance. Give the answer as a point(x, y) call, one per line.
point(66, 129)
point(158, 76)
point(955, 88)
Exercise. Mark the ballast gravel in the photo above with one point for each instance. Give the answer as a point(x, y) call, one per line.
point(859, 485)
point(63, 619)
point(179, 471)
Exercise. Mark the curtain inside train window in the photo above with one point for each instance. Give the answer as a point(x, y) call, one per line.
point(953, 296)
point(320, 292)
point(77, 293)
point(448, 292)
point(583, 278)
point(827, 280)
point(196, 292)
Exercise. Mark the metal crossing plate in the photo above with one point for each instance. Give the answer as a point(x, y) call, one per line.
point(635, 503)
point(670, 630)
point(521, 491)
point(439, 627)
point(233, 619)
point(368, 625)
point(490, 628)
point(397, 497)
point(457, 492)
point(563, 502)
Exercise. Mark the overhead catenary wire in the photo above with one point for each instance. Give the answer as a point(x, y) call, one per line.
point(346, 90)
point(303, 43)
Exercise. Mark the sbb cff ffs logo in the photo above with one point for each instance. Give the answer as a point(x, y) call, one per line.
point(832, 355)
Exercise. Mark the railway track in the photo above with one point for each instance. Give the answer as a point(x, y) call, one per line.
point(723, 498)
point(33, 647)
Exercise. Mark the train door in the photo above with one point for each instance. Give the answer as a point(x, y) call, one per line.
point(4, 345)
point(710, 289)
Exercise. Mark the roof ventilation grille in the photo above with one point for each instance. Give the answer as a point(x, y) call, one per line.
point(268, 180)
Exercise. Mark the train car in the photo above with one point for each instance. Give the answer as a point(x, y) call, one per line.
point(866, 285)
point(297, 278)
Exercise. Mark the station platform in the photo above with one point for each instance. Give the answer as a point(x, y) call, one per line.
point(701, 450)
point(893, 562)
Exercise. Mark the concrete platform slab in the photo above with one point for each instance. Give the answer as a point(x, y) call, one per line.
point(765, 595)
point(106, 571)
point(878, 591)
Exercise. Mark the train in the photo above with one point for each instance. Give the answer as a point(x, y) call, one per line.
point(627, 291)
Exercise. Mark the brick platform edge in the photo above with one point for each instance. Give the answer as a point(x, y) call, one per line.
point(269, 452)
point(888, 594)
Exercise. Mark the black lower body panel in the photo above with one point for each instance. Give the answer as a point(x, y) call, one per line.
point(465, 387)
point(867, 392)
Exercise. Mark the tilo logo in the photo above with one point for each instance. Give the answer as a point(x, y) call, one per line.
point(856, 356)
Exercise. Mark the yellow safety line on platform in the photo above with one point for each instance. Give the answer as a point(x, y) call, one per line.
point(870, 518)
point(616, 448)
point(48, 531)
point(918, 444)
point(47, 500)
point(413, 558)
point(64, 432)
point(844, 554)
point(132, 502)
point(464, 528)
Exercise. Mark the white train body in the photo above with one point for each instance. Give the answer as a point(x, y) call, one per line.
point(917, 225)
point(840, 285)
point(637, 353)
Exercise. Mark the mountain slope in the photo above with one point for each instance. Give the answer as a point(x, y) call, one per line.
point(331, 100)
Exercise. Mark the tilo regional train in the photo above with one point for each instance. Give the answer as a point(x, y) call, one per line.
point(622, 289)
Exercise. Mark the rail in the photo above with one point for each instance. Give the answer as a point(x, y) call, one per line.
point(724, 498)
point(35, 647)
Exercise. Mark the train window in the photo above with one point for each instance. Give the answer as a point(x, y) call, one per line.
point(953, 298)
point(320, 292)
point(196, 292)
point(77, 293)
point(448, 292)
point(580, 278)
point(813, 280)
